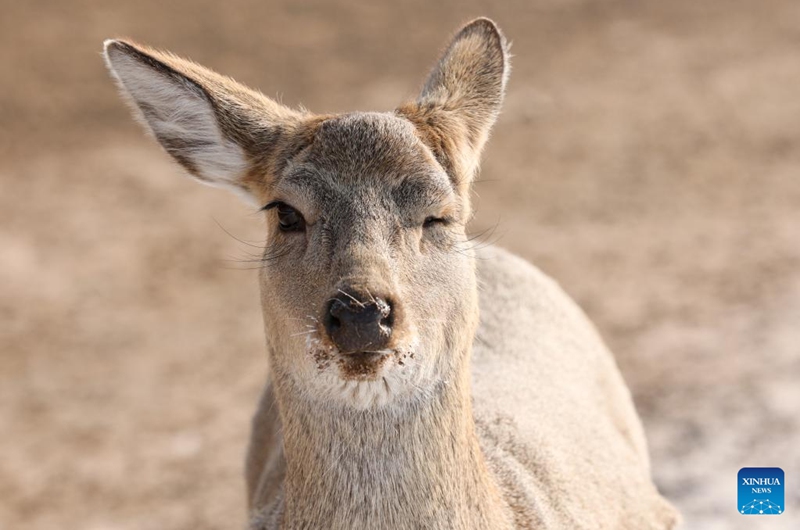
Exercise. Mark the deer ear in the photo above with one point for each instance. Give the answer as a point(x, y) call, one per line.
point(211, 125)
point(462, 97)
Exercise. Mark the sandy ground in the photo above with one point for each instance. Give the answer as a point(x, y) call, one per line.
point(648, 158)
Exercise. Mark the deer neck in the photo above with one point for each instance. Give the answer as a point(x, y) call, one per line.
point(419, 467)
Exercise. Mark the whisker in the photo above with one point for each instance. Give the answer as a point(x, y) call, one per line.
point(490, 239)
point(236, 238)
point(260, 260)
point(371, 298)
point(303, 333)
point(351, 297)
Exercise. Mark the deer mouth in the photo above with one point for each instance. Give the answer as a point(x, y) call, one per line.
point(359, 365)
point(363, 365)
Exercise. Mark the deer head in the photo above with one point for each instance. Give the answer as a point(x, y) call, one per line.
point(367, 286)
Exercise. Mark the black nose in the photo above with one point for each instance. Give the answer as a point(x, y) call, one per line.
point(356, 323)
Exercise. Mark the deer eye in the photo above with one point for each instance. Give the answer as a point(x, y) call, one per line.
point(433, 221)
point(289, 219)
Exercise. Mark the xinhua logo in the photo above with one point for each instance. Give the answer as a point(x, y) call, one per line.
point(761, 491)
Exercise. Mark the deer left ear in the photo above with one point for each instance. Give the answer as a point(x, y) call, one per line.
point(211, 125)
point(462, 97)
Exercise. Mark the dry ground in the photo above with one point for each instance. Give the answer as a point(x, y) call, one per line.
point(648, 158)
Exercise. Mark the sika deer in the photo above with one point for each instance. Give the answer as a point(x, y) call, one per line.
point(392, 401)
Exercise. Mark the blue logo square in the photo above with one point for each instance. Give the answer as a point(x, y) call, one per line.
point(761, 491)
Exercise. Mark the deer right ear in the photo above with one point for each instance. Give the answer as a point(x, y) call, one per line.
point(211, 125)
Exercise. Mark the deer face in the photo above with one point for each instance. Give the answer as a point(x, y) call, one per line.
point(368, 285)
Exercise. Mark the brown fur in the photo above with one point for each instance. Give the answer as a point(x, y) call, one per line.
point(532, 427)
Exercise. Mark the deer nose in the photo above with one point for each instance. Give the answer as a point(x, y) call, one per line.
point(359, 324)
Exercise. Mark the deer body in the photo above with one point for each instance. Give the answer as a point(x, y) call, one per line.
point(410, 385)
point(550, 440)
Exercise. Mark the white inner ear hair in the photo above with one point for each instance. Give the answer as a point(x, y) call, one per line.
point(182, 120)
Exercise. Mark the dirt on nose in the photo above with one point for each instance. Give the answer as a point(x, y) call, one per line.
point(362, 366)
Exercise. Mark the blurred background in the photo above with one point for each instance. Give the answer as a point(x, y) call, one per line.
point(648, 157)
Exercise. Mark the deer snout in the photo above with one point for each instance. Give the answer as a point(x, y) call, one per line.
point(359, 324)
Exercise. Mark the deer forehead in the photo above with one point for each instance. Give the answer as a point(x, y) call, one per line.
point(370, 161)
